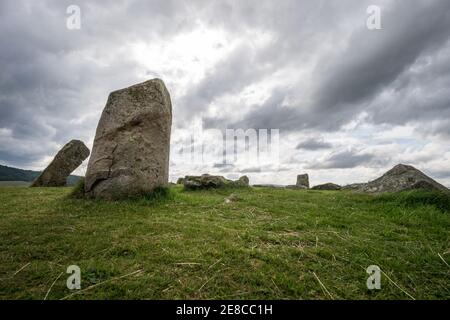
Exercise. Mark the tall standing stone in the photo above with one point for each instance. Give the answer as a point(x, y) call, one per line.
point(130, 155)
point(302, 181)
point(65, 162)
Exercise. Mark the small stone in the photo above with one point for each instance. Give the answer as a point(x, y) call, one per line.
point(242, 182)
point(327, 186)
point(232, 198)
point(204, 181)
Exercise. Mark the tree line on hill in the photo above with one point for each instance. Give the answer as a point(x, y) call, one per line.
point(15, 174)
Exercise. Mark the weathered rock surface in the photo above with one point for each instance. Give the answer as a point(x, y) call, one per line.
point(65, 162)
point(303, 181)
point(354, 186)
point(204, 181)
point(401, 178)
point(130, 155)
point(242, 182)
point(327, 186)
point(207, 181)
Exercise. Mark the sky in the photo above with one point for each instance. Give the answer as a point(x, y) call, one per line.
point(349, 102)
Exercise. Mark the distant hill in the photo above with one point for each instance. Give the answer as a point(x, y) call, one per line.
point(14, 183)
point(15, 174)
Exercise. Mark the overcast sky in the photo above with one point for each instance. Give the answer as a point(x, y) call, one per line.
point(349, 102)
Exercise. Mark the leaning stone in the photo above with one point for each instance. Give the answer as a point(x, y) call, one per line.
point(65, 162)
point(131, 147)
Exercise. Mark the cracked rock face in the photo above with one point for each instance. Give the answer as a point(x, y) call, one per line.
point(130, 155)
point(65, 162)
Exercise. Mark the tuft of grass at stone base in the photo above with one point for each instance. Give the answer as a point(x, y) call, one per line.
point(78, 190)
point(271, 244)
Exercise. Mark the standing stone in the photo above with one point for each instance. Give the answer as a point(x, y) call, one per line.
point(303, 181)
point(130, 155)
point(65, 162)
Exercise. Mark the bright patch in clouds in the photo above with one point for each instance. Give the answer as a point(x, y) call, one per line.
point(185, 57)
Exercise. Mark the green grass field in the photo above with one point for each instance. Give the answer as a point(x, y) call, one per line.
point(269, 244)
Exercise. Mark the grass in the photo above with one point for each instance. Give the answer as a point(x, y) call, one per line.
point(78, 190)
point(418, 198)
point(271, 244)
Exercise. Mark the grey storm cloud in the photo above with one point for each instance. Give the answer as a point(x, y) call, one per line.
point(314, 63)
point(374, 63)
point(344, 160)
point(440, 174)
point(314, 144)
